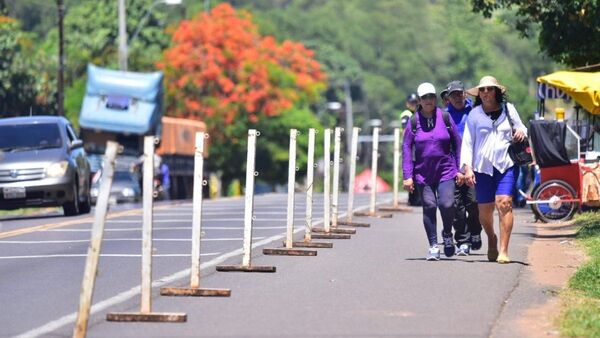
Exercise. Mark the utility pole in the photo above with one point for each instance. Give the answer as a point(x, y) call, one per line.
point(61, 58)
point(122, 36)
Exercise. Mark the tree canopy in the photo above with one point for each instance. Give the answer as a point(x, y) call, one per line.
point(221, 70)
point(569, 31)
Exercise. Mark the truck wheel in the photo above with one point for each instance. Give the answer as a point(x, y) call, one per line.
point(71, 208)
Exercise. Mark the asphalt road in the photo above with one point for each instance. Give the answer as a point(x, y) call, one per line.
point(375, 284)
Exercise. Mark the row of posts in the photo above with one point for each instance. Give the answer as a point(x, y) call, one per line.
point(330, 230)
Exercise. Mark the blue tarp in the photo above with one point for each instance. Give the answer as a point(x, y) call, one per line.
point(122, 102)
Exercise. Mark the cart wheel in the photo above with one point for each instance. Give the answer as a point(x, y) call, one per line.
point(555, 210)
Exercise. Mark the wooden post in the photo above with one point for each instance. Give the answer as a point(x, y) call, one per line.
point(194, 289)
point(145, 313)
point(248, 211)
point(395, 204)
point(310, 169)
point(326, 179)
point(374, 160)
point(336, 175)
point(352, 178)
point(93, 255)
point(289, 242)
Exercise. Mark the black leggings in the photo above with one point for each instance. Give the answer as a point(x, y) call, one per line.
point(437, 195)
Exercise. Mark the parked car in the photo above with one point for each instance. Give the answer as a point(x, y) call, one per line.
point(43, 163)
point(125, 187)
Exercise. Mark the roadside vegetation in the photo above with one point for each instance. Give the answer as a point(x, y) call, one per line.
point(581, 315)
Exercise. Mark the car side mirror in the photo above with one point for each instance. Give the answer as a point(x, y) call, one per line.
point(76, 144)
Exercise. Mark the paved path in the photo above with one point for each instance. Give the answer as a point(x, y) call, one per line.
point(375, 284)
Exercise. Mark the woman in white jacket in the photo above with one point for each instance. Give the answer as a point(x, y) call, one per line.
point(486, 163)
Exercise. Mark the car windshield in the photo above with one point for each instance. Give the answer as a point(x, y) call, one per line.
point(20, 137)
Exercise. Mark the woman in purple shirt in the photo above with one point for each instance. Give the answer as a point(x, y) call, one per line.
point(430, 165)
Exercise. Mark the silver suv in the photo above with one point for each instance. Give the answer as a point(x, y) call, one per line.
point(43, 163)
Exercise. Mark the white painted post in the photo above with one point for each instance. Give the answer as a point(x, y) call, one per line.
point(336, 175)
point(352, 176)
point(93, 255)
point(374, 159)
point(396, 165)
point(326, 179)
point(309, 183)
point(289, 242)
point(146, 306)
point(249, 208)
point(197, 209)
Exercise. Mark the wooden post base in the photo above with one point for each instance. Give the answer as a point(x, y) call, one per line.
point(372, 214)
point(335, 230)
point(163, 317)
point(397, 208)
point(195, 292)
point(330, 236)
point(353, 224)
point(243, 268)
point(289, 252)
point(308, 244)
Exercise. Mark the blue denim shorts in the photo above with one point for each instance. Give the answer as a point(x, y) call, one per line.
point(488, 187)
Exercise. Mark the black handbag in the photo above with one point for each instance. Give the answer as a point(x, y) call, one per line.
point(519, 152)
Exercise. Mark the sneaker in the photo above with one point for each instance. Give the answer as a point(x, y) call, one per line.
point(449, 247)
point(463, 250)
point(475, 242)
point(433, 254)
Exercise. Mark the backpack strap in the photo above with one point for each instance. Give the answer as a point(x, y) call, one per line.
point(413, 123)
point(446, 116)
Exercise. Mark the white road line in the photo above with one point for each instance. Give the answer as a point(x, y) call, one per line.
point(158, 229)
point(126, 295)
point(125, 240)
point(124, 221)
point(103, 255)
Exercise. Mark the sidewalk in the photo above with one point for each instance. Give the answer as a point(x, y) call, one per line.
point(376, 284)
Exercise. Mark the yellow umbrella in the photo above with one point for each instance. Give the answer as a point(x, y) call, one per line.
point(582, 87)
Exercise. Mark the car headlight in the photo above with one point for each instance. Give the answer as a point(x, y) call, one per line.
point(57, 169)
point(128, 192)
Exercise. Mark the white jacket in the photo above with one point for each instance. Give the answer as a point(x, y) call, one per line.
point(485, 142)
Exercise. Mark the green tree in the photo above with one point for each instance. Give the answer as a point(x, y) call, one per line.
point(568, 30)
point(24, 85)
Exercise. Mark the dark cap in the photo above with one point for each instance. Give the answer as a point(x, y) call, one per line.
point(412, 98)
point(455, 86)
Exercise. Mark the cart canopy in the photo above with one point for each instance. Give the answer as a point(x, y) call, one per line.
point(548, 140)
point(583, 87)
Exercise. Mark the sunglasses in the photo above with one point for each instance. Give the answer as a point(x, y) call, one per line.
point(487, 89)
point(428, 97)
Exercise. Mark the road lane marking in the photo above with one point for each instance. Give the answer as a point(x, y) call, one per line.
point(127, 239)
point(87, 219)
point(169, 228)
point(126, 295)
point(104, 255)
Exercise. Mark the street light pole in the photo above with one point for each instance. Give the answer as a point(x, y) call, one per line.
point(349, 116)
point(122, 36)
point(61, 58)
point(123, 43)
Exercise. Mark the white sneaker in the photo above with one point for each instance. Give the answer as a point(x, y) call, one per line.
point(433, 254)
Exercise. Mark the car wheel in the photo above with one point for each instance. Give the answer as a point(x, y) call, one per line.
point(71, 208)
point(86, 205)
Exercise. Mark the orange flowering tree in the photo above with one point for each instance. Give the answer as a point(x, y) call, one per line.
point(222, 71)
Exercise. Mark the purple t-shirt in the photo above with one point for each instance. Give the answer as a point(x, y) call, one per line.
point(435, 149)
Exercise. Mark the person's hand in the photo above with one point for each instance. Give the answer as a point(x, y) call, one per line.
point(518, 136)
point(409, 185)
point(469, 176)
point(460, 179)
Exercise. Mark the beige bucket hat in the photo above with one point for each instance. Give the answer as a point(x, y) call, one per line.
point(486, 81)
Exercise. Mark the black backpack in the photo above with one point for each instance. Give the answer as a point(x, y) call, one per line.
point(445, 116)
